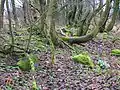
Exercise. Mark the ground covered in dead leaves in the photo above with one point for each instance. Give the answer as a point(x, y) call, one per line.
point(65, 74)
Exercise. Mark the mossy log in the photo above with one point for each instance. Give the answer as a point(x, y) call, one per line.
point(82, 39)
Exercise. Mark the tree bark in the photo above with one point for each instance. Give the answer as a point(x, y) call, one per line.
point(10, 26)
point(42, 20)
point(14, 13)
point(114, 16)
point(105, 15)
point(51, 21)
point(1, 13)
point(24, 10)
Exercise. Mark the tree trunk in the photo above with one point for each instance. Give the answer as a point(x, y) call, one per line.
point(42, 20)
point(114, 16)
point(1, 13)
point(24, 11)
point(14, 13)
point(10, 26)
point(105, 16)
point(51, 21)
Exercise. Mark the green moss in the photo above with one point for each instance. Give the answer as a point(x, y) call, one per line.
point(24, 63)
point(115, 52)
point(84, 59)
point(65, 38)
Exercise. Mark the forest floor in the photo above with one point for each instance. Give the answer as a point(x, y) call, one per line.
point(66, 74)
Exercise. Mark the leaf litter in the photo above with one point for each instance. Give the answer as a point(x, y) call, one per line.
point(66, 74)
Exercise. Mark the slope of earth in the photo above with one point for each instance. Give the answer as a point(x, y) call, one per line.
point(65, 74)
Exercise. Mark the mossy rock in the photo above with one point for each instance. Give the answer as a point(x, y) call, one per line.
point(24, 62)
point(115, 52)
point(84, 59)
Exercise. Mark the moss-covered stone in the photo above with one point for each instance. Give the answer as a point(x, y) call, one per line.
point(84, 59)
point(115, 52)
